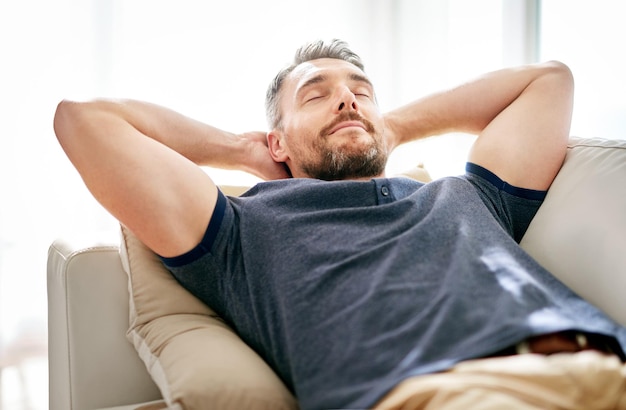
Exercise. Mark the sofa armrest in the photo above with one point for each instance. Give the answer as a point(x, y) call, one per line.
point(91, 363)
point(579, 233)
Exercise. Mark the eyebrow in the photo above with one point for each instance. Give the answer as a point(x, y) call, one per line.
point(361, 78)
point(320, 78)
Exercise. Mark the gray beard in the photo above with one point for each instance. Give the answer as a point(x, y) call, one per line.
point(346, 163)
point(339, 165)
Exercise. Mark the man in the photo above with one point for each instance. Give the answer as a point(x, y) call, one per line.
point(355, 287)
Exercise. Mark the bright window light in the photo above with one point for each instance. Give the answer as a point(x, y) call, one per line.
point(589, 36)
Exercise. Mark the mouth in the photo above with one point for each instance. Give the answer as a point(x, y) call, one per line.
point(347, 124)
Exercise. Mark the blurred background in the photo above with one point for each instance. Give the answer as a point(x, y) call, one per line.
point(212, 60)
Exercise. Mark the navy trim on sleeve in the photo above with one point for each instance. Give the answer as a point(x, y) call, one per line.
point(206, 243)
point(504, 186)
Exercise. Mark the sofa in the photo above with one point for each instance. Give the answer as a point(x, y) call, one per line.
point(124, 335)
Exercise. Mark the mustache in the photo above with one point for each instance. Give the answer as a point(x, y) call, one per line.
point(348, 116)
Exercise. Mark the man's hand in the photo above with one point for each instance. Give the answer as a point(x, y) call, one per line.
point(257, 159)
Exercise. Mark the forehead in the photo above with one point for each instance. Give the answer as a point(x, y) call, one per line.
point(328, 68)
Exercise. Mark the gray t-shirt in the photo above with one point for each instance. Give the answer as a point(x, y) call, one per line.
point(346, 288)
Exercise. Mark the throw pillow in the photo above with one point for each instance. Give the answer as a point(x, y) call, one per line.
point(195, 359)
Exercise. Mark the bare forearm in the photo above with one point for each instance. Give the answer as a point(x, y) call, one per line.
point(84, 123)
point(468, 108)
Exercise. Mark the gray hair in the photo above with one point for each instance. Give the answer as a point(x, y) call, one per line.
point(337, 49)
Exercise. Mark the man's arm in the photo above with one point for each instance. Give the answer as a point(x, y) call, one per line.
point(140, 161)
point(521, 116)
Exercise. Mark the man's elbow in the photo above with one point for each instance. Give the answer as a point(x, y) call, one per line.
point(72, 119)
point(557, 83)
point(64, 115)
point(558, 66)
point(560, 72)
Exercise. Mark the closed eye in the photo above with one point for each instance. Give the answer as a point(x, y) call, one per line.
point(361, 91)
point(317, 97)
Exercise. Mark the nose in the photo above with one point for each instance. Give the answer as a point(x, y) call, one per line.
point(347, 101)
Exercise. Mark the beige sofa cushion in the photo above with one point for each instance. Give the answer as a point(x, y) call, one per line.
point(193, 357)
point(579, 233)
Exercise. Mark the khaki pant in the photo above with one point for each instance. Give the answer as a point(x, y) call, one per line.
point(587, 380)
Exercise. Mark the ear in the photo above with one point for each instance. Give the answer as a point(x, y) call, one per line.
point(276, 146)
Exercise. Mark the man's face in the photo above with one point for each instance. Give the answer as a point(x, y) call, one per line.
point(331, 128)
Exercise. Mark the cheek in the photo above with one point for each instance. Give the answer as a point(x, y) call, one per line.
point(296, 140)
point(312, 119)
point(305, 127)
point(374, 113)
point(379, 121)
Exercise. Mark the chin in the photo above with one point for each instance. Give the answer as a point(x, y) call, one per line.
point(351, 164)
